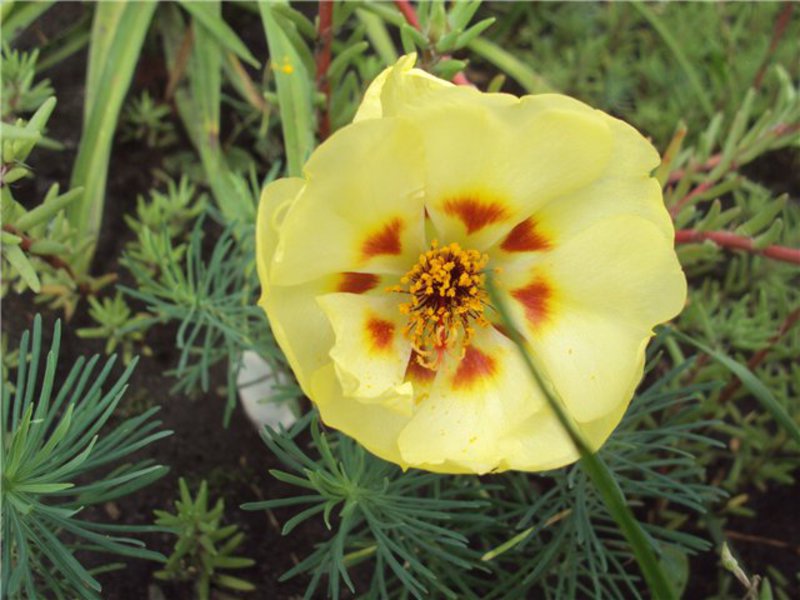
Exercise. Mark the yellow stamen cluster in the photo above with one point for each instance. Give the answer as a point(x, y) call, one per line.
point(447, 297)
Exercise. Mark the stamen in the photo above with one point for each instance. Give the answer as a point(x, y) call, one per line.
point(448, 297)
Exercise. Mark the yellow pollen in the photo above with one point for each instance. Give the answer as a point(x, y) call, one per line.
point(448, 297)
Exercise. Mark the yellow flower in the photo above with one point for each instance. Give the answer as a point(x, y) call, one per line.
point(373, 269)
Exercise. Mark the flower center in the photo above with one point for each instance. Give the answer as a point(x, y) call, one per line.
point(447, 298)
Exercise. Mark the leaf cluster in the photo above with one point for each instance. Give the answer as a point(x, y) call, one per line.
point(58, 451)
point(204, 548)
point(500, 536)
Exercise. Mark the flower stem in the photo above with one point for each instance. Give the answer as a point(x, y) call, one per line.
point(323, 60)
point(732, 241)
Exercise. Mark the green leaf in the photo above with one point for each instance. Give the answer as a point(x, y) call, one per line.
point(234, 583)
point(294, 91)
point(42, 488)
point(212, 20)
point(15, 132)
point(117, 37)
point(19, 15)
point(47, 210)
point(680, 56)
point(511, 66)
point(473, 32)
point(16, 257)
point(379, 36)
point(752, 383)
point(344, 58)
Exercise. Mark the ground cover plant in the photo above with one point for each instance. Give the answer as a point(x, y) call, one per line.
point(137, 139)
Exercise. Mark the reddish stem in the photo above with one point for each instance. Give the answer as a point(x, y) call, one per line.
point(689, 198)
point(759, 356)
point(712, 162)
point(404, 6)
point(732, 241)
point(777, 33)
point(323, 59)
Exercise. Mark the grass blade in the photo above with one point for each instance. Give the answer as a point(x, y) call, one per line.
point(117, 36)
point(674, 47)
point(207, 14)
point(294, 91)
point(752, 383)
point(510, 65)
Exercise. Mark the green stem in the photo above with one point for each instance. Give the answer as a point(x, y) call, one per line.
point(593, 465)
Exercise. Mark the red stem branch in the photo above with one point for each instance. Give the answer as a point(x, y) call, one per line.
point(689, 198)
point(323, 60)
point(732, 241)
point(777, 33)
point(404, 6)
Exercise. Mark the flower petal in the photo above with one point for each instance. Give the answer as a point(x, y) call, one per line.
point(488, 168)
point(299, 326)
point(598, 298)
point(401, 88)
point(368, 218)
point(375, 426)
point(543, 444)
point(278, 194)
point(474, 402)
point(370, 353)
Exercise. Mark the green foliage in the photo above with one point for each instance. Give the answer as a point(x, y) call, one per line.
point(113, 315)
point(172, 210)
point(118, 33)
point(19, 93)
point(617, 58)
point(145, 120)
point(204, 548)
point(55, 463)
point(380, 514)
point(212, 299)
point(39, 246)
point(538, 536)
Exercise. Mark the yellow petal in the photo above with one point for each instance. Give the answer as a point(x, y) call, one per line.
point(474, 402)
point(543, 444)
point(300, 327)
point(401, 89)
point(361, 209)
point(598, 297)
point(278, 194)
point(375, 426)
point(370, 352)
point(488, 168)
point(399, 84)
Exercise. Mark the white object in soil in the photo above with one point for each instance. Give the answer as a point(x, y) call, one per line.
point(258, 386)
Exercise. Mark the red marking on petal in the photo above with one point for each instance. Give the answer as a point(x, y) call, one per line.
point(357, 283)
point(381, 333)
point(416, 373)
point(385, 241)
point(475, 214)
point(473, 367)
point(535, 298)
point(525, 238)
